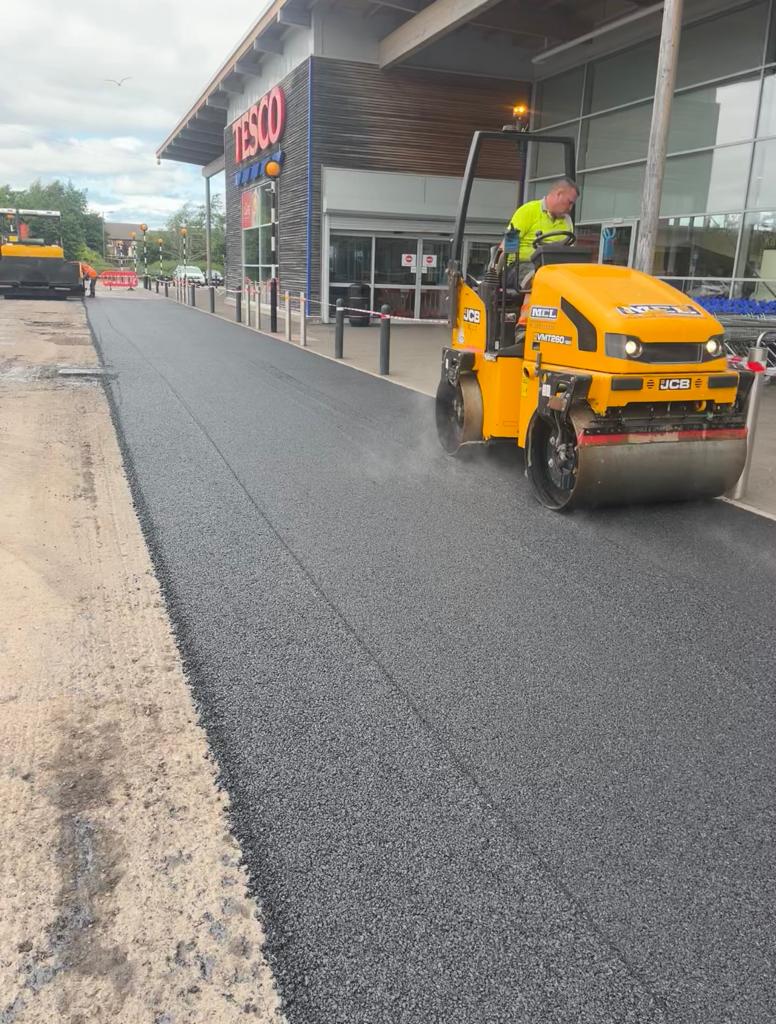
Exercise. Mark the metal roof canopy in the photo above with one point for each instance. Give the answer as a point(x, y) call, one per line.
point(198, 138)
point(534, 27)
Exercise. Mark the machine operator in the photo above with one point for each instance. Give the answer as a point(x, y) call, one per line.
point(537, 218)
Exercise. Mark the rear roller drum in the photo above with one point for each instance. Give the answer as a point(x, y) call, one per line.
point(459, 413)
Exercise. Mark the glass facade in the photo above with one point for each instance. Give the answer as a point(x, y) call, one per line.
point(718, 211)
point(405, 272)
point(257, 233)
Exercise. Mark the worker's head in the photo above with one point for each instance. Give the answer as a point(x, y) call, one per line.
point(561, 197)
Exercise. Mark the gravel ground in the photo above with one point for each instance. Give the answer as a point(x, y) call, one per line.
point(486, 763)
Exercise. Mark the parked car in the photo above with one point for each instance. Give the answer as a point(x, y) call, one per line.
point(189, 273)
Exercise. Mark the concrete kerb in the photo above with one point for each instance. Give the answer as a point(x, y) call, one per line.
point(306, 348)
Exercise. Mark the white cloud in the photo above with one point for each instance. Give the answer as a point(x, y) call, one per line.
point(59, 118)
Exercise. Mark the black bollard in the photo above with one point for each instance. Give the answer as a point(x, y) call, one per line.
point(339, 329)
point(385, 339)
point(273, 306)
point(238, 307)
point(212, 291)
point(157, 286)
point(166, 289)
point(193, 295)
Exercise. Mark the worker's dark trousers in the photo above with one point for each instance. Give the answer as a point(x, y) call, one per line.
point(517, 272)
point(92, 287)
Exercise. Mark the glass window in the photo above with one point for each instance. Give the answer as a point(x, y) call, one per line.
point(559, 99)
point(616, 138)
point(713, 115)
point(547, 158)
point(435, 255)
point(762, 188)
point(257, 241)
point(767, 124)
point(696, 246)
point(611, 194)
point(391, 263)
point(251, 242)
point(350, 259)
point(624, 77)
point(722, 46)
point(758, 256)
point(705, 181)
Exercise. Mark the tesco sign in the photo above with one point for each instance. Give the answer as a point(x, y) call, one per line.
point(261, 126)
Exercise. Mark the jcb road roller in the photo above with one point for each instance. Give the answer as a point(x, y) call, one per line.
point(614, 383)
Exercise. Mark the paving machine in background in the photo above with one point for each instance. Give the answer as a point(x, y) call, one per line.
point(614, 383)
point(32, 267)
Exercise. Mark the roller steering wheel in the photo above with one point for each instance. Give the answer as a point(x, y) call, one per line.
point(569, 236)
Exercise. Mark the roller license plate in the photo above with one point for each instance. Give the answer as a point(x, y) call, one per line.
point(675, 384)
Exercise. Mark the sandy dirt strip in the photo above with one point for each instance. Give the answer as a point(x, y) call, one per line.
point(122, 897)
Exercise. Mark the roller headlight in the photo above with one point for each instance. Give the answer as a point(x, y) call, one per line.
point(714, 347)
point(622, 346)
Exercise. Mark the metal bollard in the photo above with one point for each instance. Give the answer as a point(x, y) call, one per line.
point(385, 339)
point(166, 289)
point(288, 316)
point(273, 306)
point(212, 298)
point(147, 283)
point(302, 320)
point(339, 329)
point(248, 304)
point(758, 354)
point(238, 307)
point(157, 286)
point(193, 295)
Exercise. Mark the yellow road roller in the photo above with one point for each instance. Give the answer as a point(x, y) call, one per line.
point(614, 383)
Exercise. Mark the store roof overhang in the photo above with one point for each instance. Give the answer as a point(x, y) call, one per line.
point(198, 138)
point(538, 29)
point(534, 26)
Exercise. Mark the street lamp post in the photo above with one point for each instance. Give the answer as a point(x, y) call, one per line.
point(144, 228)
point(133, 236)
point(161, 266)
point(184, 235)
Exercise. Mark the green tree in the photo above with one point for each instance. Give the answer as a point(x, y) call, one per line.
point(79, 228)
point(192, 217)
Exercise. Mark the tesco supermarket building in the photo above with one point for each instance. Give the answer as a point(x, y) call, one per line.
point(368, 107)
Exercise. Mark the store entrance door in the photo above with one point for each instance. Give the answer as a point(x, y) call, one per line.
point(410, 276)
point(617, 243)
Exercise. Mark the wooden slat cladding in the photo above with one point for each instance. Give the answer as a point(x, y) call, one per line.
point(292, 186)
point(292, 192)
point(413, 121)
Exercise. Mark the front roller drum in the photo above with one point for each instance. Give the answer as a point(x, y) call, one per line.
point(587, 471)
point(459, 413)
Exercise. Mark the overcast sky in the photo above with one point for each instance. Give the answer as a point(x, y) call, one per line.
point(60, 119)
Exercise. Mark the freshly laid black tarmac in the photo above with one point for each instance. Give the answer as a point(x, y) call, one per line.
point(487, 763)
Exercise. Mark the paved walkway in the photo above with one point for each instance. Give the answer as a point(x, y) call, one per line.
point(415, 354)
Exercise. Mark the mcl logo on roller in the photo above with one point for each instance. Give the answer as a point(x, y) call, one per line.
point(544, 313)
